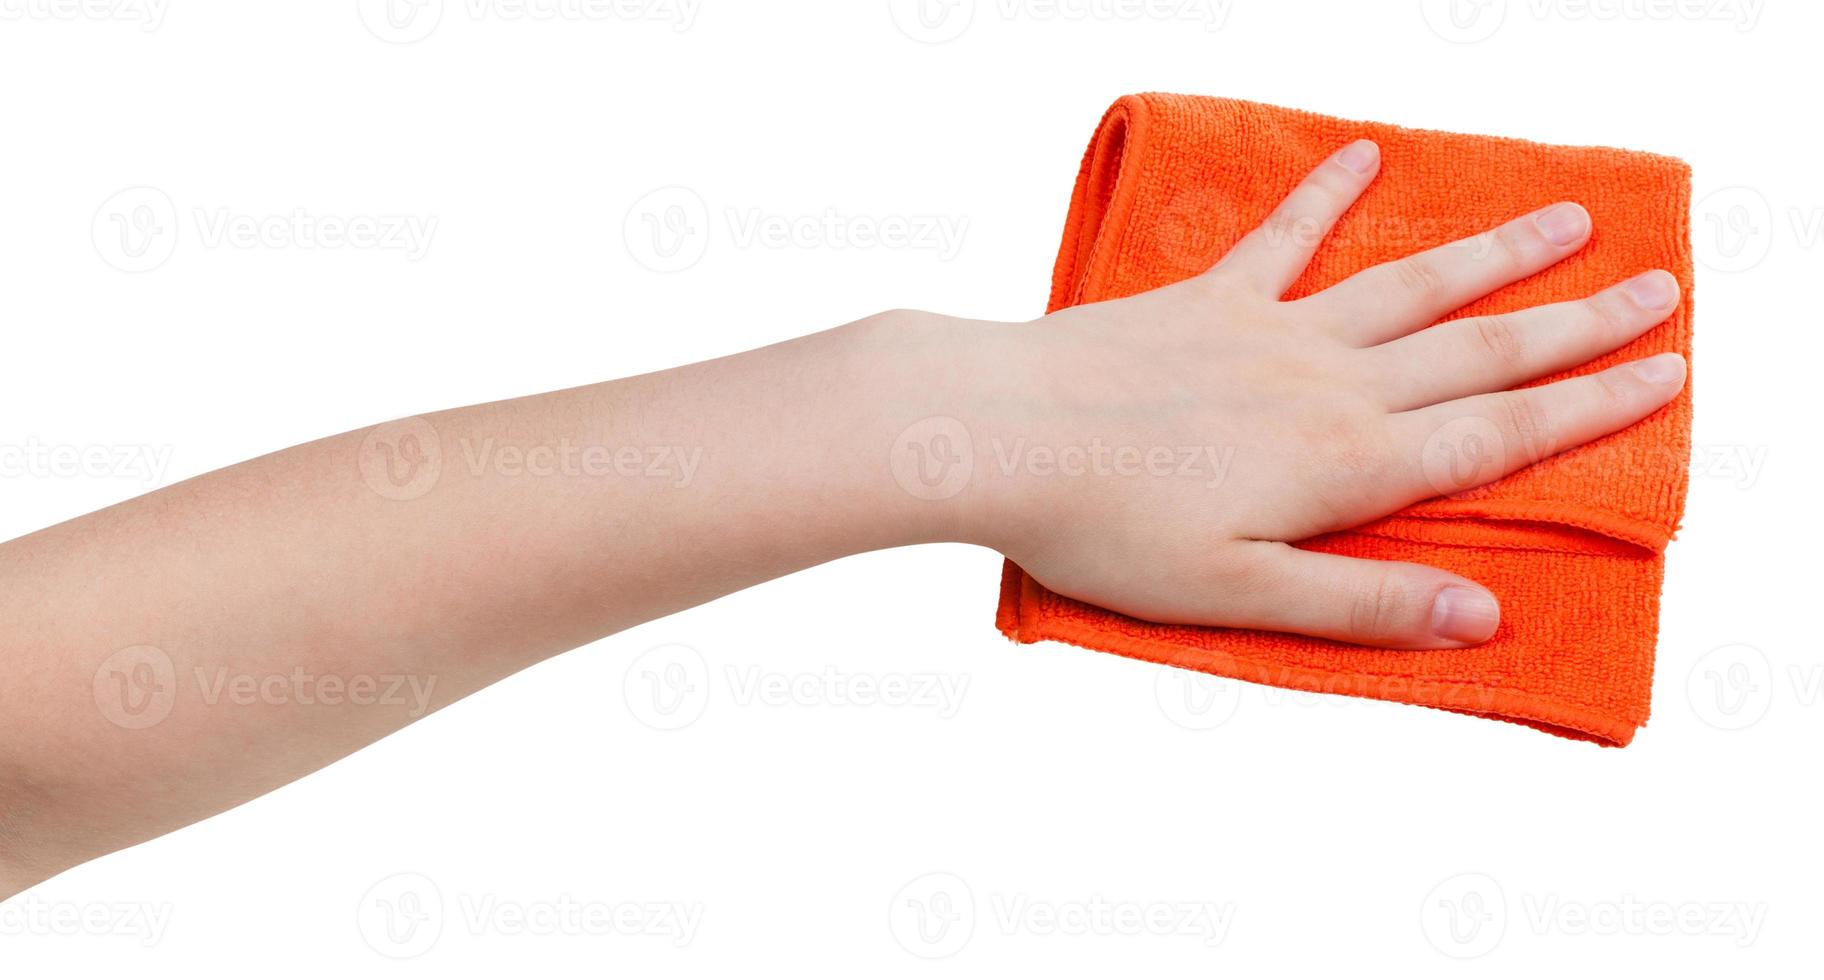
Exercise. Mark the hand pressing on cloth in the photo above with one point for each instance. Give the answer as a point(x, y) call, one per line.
point(1152, 454)
point(1299, 418)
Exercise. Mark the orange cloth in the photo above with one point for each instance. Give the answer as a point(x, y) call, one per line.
point(1573, 547)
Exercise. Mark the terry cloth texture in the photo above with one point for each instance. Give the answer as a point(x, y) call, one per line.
point(1573, 547)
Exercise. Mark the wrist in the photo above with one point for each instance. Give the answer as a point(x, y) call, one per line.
point(944, 393)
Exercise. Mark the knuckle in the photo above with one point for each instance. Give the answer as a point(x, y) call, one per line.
point(1378, 611)
point(1287, 227)
point(1526, 423)
point(1607, 316)
point(1245, 580)
point(1507, 247)
point(1329, 185)
point(1615, 390)
point(1501, 339)
point(1421, 279)
point(1349, 459)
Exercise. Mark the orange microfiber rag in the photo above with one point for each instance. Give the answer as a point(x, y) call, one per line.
point(1573, 547)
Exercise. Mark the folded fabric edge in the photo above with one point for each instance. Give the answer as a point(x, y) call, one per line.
point(1019, 619)
point(1143, 102)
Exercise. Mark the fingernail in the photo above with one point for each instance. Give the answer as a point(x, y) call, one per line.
point(1359, 156)
point(1563, 224)
point(1660, 369)
point(1652, 290)
point(1464, 615)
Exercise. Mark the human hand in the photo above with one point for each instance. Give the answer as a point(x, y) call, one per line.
point(1229, 422)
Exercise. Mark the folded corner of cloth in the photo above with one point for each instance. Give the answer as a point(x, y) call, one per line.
point(1573, 547)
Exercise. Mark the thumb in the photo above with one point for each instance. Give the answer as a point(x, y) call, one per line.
point(1358, 600)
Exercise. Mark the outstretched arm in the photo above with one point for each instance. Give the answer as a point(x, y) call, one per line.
point(188, 650)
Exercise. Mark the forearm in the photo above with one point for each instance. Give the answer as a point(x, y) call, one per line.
point(303, 604)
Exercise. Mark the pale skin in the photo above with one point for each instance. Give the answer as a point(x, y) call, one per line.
point(306, 564)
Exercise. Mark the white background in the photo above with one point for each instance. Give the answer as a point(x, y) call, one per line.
point(1272, 832)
